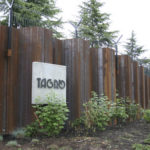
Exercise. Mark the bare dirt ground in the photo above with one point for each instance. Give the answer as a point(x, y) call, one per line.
point(114, 138)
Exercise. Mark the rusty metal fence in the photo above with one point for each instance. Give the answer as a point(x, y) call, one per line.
point(88, 70)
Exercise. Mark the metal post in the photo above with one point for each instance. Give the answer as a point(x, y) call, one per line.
point(6, 73)
point(10, 28)
point(116, 49)
point(76, 27)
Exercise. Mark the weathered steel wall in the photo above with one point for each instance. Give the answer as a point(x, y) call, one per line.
point(74, 54)
point(88, 69)
point(34, 44)
point(125, 80)
point(146, 91)
point(3, 75)
point(28, 45)
point(103, 73)
point(142, 86)
point(136, 82)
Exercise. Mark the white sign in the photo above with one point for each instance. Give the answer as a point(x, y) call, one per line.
point(47, 80)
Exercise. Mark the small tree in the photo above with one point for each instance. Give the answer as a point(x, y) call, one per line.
point(95, 24)
point(132, 49)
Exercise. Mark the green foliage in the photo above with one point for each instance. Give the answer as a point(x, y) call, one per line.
point(133, 110)
point(99, 111)
point(94, 24)
point(147, 115)
point(125, 109)
point(41, 13)
point(1, 138)
point(31, 130)
point(96, 115)
point(140, 147)
point(12, 144)
point(146, 63)
point(132, 49)
point(19, 133)
point(119, 112)
point(50, 118)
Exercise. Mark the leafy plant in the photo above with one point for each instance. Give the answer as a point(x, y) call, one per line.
point(147, 115)
point(140, 147)
point(119, 112)
point(97, 112)
point(1, 138)
point(19, 133)
point(50, 118)
point(96, 115)
point(125, 109)
point(12, 144)
point(133, 110)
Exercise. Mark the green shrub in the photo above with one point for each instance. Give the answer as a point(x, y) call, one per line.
point(119, 111)
point(140, 147)
point(132, 110)
point(125, 109)
point(99, 111)
point(147, 115)
point(50, 118)
point(96, 115)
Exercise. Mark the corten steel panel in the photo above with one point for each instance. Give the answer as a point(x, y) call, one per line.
point(136, 82)
point(142, 86)
point(128, 69)
point(57, 52)
point(149, 93)
point(94, 69)
point(34, 44)
point(75, 53)
point(3, 76)
point(120, 79)
point(146, 91)
point(48, 46)
point(103, 78)
point(12, 86)
point(109, 73)
point(124, 77)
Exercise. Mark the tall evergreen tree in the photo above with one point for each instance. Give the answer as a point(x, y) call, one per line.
point(41, 13)
point(95, 24)
point(132, 49)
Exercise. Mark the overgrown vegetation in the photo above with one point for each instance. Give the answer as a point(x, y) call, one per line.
point(144, 146)
point(140, 147)
point(99, 112)
point(147, 115)
point(50, 118)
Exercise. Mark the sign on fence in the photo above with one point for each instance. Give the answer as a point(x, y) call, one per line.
point(47, 80)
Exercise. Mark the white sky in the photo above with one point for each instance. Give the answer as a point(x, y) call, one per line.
point(126, 15)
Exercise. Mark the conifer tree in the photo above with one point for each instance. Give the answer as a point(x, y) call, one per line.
point(41, 13)
point(132, 49)
point(95, 24)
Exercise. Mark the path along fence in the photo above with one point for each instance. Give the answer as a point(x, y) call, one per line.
point(88, 69)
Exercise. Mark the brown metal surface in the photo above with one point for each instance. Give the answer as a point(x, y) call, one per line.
point(3, 76)
point(136, 82)
point(87, 70)
point(142, 86)
point(28, 45)
point(146, 91)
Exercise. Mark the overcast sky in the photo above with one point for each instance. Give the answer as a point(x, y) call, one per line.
point(126, 15)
